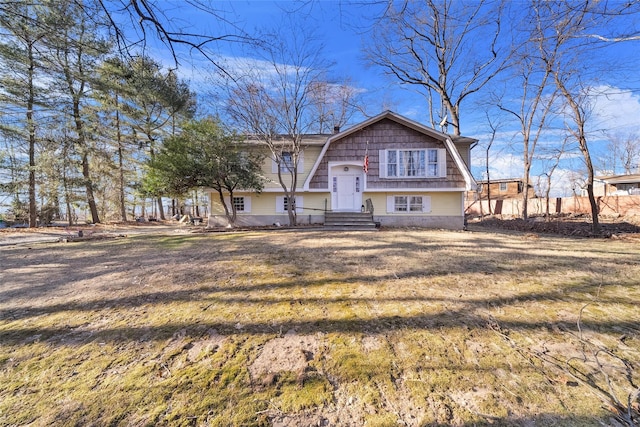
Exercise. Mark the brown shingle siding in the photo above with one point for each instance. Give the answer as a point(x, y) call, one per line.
point(385, 134)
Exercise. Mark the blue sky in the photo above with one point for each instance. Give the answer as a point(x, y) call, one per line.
point(343, 29)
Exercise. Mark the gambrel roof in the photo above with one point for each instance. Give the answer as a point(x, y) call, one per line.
point(446, 139)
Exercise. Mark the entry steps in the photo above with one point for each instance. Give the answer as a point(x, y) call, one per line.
point(350, 220)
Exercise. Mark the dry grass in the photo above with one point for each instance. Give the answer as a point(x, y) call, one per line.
point(401, 327)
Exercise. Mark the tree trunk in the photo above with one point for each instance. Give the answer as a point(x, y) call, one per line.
point(595, 223)
point(231, 215)
point(33, 214)
point(123, 209)
point(525, 196)
point(95, 219)
point(160, 209)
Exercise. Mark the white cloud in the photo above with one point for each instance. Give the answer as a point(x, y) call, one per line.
point(501, 166)
point(615, 109)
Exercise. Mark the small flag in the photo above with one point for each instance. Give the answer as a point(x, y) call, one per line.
point(365, 165)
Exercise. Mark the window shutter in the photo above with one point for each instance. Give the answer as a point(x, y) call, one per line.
point(274, 166)
point(299, 204)
point(280, 204)
point(247, 204)
point(442, 163)
point(426, 204)
point(301, 162)
point(391, 204)
point(382, 160)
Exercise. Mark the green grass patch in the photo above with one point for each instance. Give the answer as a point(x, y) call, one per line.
point(403, 326)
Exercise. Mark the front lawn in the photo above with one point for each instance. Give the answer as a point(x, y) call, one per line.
point(288, 328)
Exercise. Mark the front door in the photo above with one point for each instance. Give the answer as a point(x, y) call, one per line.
point(347, 190)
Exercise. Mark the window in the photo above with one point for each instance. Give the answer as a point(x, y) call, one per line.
point(408, 204)
point(282, 204)
point(241, 203)
point(418, 163)
point(286, 203)
point(238, 204)
point(503, 186)
point(400, 204)
point(286, 162)
point(432, 165)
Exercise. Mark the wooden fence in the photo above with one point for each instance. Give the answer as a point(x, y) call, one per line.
point(607, 205)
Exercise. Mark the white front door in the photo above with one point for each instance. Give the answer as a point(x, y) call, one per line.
point(347, 195)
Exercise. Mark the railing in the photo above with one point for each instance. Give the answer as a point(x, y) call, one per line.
point(369, 206)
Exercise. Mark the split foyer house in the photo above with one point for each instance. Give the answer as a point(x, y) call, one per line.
point(400, 171)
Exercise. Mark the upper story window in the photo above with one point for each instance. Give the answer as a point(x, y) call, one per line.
point(414, 163)
point(286, 162)
point(503, 186)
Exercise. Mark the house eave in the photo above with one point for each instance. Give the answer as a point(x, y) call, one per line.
point(620, 179)
point(448, 141)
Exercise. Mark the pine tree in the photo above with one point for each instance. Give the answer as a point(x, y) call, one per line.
point(75, 47)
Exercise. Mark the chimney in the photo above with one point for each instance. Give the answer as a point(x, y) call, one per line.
point(336, 129)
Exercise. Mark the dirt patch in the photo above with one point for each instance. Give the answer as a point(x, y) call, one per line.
point(290, 353)
point(91, 232)
point(565, 226)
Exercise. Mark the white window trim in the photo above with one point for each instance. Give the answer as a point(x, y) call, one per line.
point(391, 204)
point(280, 204)
point(441, 156)
point(247, 204)
point(274, 164)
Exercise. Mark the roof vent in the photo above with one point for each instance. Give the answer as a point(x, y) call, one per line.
point(336, 129)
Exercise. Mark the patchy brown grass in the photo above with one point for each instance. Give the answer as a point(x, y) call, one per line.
point(398, 327)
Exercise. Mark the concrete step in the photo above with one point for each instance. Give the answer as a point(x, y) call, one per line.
point(349, 220)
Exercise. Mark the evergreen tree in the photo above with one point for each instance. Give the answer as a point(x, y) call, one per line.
point(204, 155)
point(20, 58)
point(75, 48)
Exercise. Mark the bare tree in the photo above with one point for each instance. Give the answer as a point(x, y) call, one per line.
point(532, 72)
point(494, 129)
point(552, 159)
point(273, 101)
point(557, 27)
point(623, 150)
point(448, 50)
point(566, 36)
point(334, 104)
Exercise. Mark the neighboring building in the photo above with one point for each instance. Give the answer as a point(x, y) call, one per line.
point(500, 189)
point(416, 176)
point(617, 185)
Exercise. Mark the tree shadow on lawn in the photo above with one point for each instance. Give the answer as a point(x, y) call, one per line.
point(258, 292)
point(316, 287)
point(348, 260)
point(468, 315)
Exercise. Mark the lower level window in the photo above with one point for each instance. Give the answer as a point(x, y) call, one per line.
point(288, 200)
point(407, 204)
point(238, 204)
point(282, 204)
